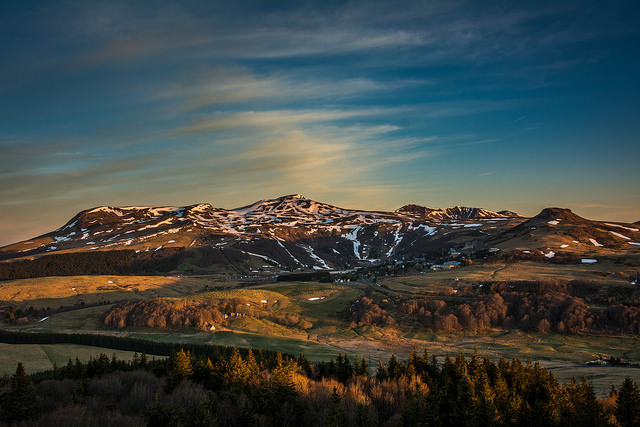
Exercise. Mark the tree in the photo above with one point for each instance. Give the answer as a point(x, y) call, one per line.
point(180, 369)
point(588, 411)
point(234, 371)
point(20, 402)
point(628, 404)
point(336, 415)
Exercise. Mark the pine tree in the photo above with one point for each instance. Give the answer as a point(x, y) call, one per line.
point(336, 415)
point(588, 411)
point(382, 373)
point(252, 364)
point(20, 402)
point(364, 367)
point(234, 372)
point(393, 367)
point(180, 369)
point(628, 404)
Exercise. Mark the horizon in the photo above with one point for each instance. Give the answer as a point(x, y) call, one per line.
point(362, 105)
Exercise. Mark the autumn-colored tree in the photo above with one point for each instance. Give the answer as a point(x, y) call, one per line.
point(233, 371)
point(180, 369)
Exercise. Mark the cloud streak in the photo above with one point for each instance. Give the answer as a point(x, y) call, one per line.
point(376, 102)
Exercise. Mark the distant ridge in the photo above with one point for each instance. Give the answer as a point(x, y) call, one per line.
point(456, 212)
point(293, 232)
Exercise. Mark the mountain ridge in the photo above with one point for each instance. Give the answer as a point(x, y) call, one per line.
point(292, 231)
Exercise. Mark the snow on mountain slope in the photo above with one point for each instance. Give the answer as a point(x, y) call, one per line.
point(456, 212)
point(324, 235)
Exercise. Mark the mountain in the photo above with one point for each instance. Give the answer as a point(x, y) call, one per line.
point(292, 232)
point(560, 229)
point(287, 232)
point(454, 213)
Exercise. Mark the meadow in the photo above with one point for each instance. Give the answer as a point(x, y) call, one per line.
point(81, 302)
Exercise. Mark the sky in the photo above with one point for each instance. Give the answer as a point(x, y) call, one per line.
point(362, 104)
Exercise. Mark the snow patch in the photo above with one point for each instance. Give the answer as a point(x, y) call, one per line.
point(595, 243)
point(554, 222)
point(312, 254)
point(107, 209)
point(564, 246)
point(622, 236)
point(589, 260)
point(621, 226)
point(264, 257)
point(290, 254)
point(550, 254)
point(353, 236)
point(396, 241)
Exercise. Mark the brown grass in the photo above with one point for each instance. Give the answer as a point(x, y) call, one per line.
point(71, 290)
point(603, 272)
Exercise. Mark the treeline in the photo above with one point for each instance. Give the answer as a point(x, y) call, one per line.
point(258, 389)
point(97, 262)
point(199, 314)
point(591, 292)
point(120, 343)
point(538, 312)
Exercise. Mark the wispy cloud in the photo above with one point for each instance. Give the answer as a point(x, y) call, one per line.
point(269, 119)
point(117, 102)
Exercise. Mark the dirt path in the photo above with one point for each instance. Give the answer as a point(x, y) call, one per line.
point(493, 274)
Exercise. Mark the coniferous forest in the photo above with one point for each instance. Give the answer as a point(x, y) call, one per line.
point(246, 388)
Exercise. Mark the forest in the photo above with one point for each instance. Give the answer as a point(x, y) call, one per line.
point(181, 313)
point(538, 306)
point(243, 388)
point(99, 262)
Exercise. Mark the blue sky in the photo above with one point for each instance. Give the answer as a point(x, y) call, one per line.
point(495, 104)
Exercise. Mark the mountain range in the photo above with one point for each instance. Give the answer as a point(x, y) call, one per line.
point(293, 232)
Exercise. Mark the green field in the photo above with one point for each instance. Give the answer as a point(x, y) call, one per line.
point(40, 357)
point(325, 308)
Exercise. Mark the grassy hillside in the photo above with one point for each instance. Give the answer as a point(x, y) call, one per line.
point(41, 357)
point(320, 320)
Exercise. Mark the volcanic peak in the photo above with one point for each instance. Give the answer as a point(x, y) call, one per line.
point(559, 215)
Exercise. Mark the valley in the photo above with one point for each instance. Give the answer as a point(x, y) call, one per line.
point(298, 276)
point(317, 318)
